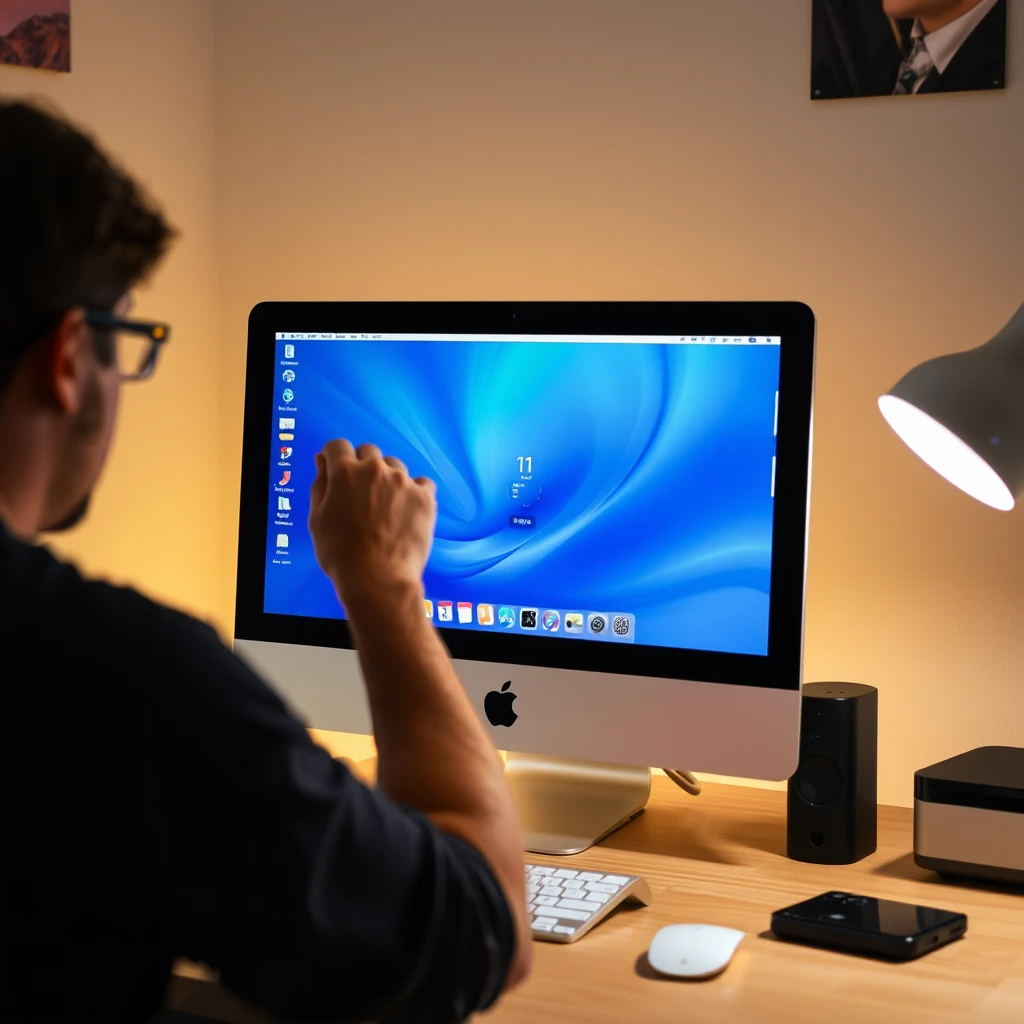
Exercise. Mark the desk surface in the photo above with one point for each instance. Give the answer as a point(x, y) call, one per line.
point(720, 859)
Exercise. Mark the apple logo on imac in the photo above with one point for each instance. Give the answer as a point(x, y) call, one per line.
point(498, 706)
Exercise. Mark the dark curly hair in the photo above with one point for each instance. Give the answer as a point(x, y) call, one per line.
point(75, 230)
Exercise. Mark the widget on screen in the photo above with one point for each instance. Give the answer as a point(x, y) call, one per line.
point(523, 490)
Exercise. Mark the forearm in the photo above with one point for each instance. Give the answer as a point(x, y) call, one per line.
point(432, 752)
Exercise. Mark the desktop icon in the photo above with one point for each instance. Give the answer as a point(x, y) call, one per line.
point(286, 437)
point(597, 623)
point(286, 453)
point(465, 610)
point(574, 622)
point(622, 625)
point(485, 614)
point(506, 617)
point(285, 477)
point(550, 621)
point(284, 504)
point(287, 396)
point(528, 618)
point(288, 376)
point(286, 423)
point(289, 351)
point(428, 607)
point(282, 540)
point(444, 611)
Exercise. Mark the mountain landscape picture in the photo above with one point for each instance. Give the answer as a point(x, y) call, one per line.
point(36, 33)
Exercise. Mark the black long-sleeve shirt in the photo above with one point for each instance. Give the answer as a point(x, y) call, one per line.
point(159, 801)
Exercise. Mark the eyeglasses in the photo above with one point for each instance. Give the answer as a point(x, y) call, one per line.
point(138, 343)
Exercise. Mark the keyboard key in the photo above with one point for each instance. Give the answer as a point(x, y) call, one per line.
point(590, 876)
point(599, 898)
point(586, 905)
point(615, 880)
point(539, 870)
point(544, 924)
point(565, 873)
point(531, 889)
point(545, 901)
point(572, 883)
point(600, 887)
point(556, 890)
point(571, 915)
point(563, 929)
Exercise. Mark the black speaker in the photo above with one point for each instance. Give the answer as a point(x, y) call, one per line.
point(833, 797)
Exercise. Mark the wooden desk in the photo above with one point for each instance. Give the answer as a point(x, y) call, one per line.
point(720, 859)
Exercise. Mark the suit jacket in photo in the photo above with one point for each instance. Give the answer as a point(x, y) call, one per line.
point(856, 52)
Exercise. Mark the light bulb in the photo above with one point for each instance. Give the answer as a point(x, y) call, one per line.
point(946, 453)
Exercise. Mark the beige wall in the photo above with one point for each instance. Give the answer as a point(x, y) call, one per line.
point(577, 149)
point(667, 149)
point(142, 81)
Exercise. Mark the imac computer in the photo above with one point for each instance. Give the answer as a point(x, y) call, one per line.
point(618, 565)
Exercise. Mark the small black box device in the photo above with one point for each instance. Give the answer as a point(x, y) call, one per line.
point(969, 815)
point(832, 812)
point(873, 927)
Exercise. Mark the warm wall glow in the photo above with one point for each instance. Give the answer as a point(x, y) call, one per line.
point(946, 453)
point(594, 149)
point(154, 521)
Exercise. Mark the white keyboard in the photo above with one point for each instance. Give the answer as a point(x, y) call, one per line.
point(564, 904)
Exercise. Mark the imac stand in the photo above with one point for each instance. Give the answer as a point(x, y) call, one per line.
point(566, 806)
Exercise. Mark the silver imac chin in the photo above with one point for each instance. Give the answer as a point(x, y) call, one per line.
point(751, 732)
point(610, 455)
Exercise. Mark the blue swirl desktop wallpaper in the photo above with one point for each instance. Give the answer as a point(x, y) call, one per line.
point(628, 479)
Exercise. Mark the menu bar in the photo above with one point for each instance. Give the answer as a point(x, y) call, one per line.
point(610, 339)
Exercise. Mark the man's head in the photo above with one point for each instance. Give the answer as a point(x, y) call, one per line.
point(76, 234)
point(933, 13)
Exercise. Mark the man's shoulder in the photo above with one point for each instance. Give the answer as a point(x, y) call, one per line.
point(42, 591)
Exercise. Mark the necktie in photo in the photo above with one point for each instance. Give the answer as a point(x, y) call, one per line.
point(914, 68)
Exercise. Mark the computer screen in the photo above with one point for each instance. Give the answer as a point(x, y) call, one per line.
point(591, 489)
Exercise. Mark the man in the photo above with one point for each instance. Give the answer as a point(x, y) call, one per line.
point(907, 47)
point(159, 799)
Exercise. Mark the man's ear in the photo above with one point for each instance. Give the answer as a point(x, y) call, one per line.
point(65, 365)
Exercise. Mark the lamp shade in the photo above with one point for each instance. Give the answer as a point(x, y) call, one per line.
point(964, 415)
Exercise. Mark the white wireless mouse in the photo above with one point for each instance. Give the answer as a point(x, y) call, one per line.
point(693, 950)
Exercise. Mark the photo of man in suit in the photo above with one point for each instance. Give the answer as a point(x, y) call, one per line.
point(906, 47)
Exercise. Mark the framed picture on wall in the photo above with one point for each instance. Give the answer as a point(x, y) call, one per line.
point(36, 33)
point(906, 47)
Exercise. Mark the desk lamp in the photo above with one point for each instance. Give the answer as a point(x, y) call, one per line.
point(964, 415)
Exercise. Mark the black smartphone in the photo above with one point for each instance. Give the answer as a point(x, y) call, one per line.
point(863, 924)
